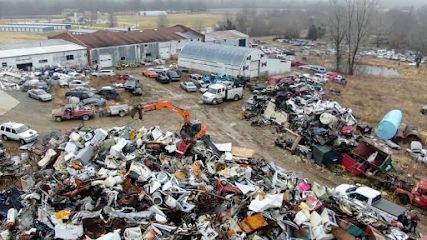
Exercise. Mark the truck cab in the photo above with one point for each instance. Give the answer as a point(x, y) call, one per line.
point(416, 196)
point(70, 112)
point(362, 197)
point(218, 93)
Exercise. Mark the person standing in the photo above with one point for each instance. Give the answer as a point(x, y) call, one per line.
point(413, 221)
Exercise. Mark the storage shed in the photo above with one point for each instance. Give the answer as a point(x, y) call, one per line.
point(230, 60)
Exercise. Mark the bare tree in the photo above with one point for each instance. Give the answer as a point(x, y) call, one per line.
point(337, 30)
point(162, 21)
point(359, 14)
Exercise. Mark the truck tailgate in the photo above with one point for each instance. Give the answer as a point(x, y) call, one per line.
point(389, 207)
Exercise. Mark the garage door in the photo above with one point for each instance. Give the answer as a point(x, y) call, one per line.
point(254, 69)
point(105, 61)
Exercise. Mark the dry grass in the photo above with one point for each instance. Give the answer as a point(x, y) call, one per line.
point(191, 20)
point(371, 97)
point(20, 37)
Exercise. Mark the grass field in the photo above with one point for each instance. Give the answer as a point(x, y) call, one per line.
point(195, 21)
point(11, 37)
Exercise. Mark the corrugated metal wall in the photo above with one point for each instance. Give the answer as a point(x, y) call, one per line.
point(131, 53)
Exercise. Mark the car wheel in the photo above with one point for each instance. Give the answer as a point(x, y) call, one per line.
point(4, 137)
point(236, 97)
point(423, 111)
point(122, 113)
point(22, 141)
point(85, 117)
point(215, 102)
point(58, 119)
point(403, 198)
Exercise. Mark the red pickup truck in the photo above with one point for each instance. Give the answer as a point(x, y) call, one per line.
point(68, 112)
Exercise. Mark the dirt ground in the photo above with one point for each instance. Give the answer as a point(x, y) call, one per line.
point(224, 124)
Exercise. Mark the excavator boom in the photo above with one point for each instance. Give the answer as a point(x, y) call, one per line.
point(191, 130)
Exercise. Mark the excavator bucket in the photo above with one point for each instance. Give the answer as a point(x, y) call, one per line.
point(134, 111)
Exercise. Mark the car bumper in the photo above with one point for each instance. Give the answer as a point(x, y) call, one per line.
point(31, 139)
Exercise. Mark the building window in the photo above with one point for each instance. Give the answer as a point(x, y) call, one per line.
point(95, 61)
point(70, 57)
point(4, 64)
point(123, 58)
point(179, 41)
point(145, 45)
point(43, 61)
point(148, 54)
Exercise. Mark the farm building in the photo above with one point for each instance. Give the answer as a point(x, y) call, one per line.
point(26, 28)
point(228, 37)
point(152, 13)
point(108, 49)
point(38, 54)
point(56, 26)
point(230, 60)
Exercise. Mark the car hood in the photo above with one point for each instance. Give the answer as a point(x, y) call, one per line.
point(28, 133)
point(208, 95)
point(44, 96)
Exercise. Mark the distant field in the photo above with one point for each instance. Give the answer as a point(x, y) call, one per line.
point(191, 20)
point(20, 37)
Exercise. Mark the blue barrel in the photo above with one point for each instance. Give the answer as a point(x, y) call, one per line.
point(388, 127)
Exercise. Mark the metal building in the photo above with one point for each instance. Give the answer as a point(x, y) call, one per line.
point(230, 60)
point(26, 28)
point(228, 37)
point(56, 26)
point(108, 49)
point(38, 54)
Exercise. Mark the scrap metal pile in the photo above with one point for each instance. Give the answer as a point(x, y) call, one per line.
point(300, 106)
point(123, 183)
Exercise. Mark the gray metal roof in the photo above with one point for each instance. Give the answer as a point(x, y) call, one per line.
point(37, 47)
point(227, 34)
point(211, 52)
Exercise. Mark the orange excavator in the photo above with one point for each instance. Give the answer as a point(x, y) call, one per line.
point(191, 131)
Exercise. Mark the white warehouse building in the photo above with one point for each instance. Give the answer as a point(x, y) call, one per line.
point(231, 60)
point(38, 54)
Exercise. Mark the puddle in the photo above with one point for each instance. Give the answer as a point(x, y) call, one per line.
point(377, 71)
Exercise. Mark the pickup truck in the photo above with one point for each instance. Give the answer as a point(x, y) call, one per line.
point(69, 112)
point(218, 93)
point(363, 197)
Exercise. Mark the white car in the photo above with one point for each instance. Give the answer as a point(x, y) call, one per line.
point(18, 132)
point(188, 86)
point(77, 83)
point(39, 94)
point(104, 73)
point(158, 69)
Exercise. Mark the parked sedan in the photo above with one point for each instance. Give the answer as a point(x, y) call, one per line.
point(108, 93)
point(188, 86)
point(173, 76)
point(77, 83)
point(150, 74)
point(95, 102)
point(163, 78)
point(159, 69)
point(40, 95)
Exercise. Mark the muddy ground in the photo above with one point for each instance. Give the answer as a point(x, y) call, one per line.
point(224, 124)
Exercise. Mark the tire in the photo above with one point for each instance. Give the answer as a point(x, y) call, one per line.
point(215, 102)
point(403, 198)
point(58, 119)
point(122, 113)
point(22, 141)
point(4, 137)
point(85, 117)
point(236, 97)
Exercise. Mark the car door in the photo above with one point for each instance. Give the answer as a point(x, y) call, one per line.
point(13, 134)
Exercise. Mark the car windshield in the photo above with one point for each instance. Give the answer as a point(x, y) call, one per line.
point(212, 90)
point(21, 129)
